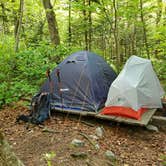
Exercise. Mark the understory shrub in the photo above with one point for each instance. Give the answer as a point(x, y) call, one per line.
point(22, 73)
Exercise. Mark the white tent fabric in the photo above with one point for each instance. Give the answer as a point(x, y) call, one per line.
point(136, 86)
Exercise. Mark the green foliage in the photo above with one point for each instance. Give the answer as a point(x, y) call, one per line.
point(163, 157)
point(48, 157)
point(160, 68)
point(21, 74)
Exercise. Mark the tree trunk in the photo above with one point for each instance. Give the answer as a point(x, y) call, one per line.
point(18, 25)
point(90, 26)
point(109, 20)
point(133, 40)
point(116, 35)
point(159, 12)
point(69, 26)
point(111, 47)
point(4, 18)
point(125, 49)
point(164, 16)
point(85, 23)
point(144, 30)
point(103, 44)
point(52, 23)
point(106, 13)
point(158, 18)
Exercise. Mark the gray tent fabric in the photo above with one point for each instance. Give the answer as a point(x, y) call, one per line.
point(136, 86)
point(84, 82)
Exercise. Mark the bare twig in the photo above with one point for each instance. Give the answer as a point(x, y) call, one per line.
point(90, 141)
point(88, 124)
point(49, 130)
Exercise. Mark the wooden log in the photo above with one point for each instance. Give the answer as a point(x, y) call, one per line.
point(159, 118)
point(160, 122)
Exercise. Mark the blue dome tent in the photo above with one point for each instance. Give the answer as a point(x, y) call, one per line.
point(80, 83)
point(85, 79)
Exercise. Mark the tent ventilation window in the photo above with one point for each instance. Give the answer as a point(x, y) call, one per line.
point(70, 62)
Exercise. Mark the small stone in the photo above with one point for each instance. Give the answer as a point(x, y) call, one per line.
point(89, 151)
point(94, 137)
point(97, 146)
point(99, 132)
point(152, 128)
point(87, 162)
point(30, 131)
point(77, 143)
point(75, 128)
point(110, 155)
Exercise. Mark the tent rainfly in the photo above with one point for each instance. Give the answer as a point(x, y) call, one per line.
point(85, 79)
point(137, 87)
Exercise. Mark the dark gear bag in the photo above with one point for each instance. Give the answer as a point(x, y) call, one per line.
point(40, 109)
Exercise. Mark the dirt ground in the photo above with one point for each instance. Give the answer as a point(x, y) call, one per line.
point(132, 146)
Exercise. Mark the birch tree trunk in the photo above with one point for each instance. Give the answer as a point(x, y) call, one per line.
point(116, 35)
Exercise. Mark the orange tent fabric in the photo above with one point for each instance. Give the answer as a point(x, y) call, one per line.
point(124, 112)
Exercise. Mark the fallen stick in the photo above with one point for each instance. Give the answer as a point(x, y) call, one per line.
point(50, 130)
point(90, 141)
point(87, 123)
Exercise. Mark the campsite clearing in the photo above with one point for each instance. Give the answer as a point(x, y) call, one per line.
point(131, 145)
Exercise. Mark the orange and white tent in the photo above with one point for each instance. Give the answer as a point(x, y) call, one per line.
point(134, 90)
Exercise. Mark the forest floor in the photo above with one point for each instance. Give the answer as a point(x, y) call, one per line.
point(132, 146)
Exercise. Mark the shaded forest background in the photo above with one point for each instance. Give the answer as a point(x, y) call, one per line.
point(37, 34)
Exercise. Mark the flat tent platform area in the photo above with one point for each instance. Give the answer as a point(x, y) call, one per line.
point(146, 117)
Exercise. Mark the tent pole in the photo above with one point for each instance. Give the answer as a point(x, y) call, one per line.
point(50, 88)
point(59, 87)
